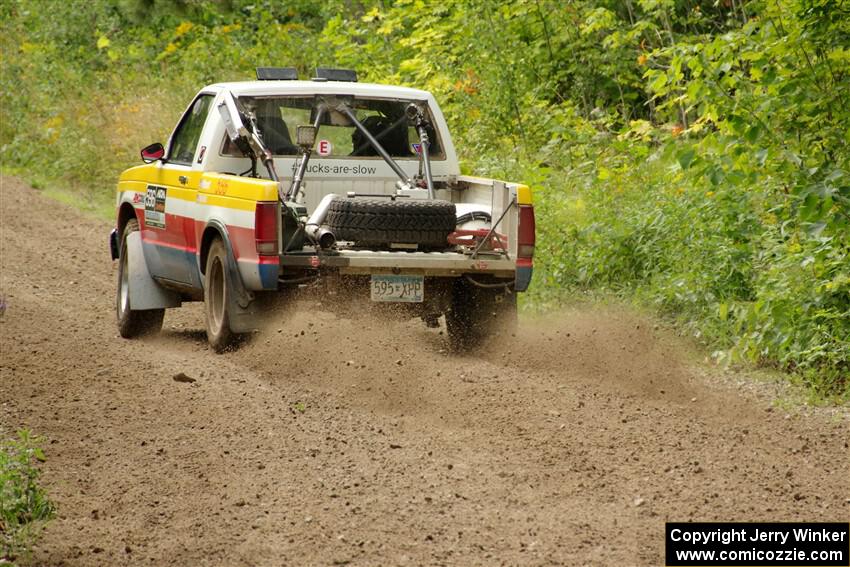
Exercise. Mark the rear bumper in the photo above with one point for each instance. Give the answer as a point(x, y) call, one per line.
point(362, 262)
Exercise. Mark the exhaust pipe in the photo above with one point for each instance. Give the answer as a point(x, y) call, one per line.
point(321, 236)
point(324, 238)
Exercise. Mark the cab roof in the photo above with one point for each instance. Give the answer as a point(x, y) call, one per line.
point(270, 88)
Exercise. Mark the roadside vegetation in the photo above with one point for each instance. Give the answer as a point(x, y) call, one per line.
point(688, 155)
point(24, 506)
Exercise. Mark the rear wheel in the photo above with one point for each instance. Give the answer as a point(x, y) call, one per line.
point(132, 323)
point(217, 299)
point(478, 314)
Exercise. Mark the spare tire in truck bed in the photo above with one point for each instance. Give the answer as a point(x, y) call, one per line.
point(380, 222)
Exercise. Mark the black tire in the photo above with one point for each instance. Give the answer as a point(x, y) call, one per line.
point(133, 323)
point(217, 299)
point(479, 314)
point(380, 222)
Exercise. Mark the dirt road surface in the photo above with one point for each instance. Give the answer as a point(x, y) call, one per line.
point(329, 441)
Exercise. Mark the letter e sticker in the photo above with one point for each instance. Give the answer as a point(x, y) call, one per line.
point(155, 207)
point(324, 147)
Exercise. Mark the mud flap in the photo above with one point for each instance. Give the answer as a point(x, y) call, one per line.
point(242, 310)
point(113, 244)
point(242, 319)
point(145, 292)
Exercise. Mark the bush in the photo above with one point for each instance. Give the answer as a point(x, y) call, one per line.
point(24, 506)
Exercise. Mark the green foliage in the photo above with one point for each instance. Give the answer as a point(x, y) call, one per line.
point(689, 154)
point(89, 83)
point(24, 506)
point(765, 125)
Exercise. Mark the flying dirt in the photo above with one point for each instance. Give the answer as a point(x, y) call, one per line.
point(328, 440)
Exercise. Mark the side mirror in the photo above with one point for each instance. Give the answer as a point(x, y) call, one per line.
point(153, 153)
point(305, 136)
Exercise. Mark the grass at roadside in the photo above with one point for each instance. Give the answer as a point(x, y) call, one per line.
point(96, 203)
point(714, 259)
point(24, 505)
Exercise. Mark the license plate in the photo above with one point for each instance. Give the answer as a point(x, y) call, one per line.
point(409, 289)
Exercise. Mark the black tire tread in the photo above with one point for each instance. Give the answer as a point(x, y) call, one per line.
point(222, 339)
point(479, 314)
point(379, 222)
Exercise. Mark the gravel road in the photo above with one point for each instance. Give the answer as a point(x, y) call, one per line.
point(328, 441)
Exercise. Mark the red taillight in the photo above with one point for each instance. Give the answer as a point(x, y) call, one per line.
point(525, 241)
point(265, 228)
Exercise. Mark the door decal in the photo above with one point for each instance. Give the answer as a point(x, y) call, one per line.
point(155, 207)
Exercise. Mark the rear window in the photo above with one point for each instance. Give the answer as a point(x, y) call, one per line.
point(278, 117)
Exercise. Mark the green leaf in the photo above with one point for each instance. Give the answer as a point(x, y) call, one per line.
point(752, 133)
point(815, 229)
point(686, 157)
point(811, 207)
point(715, 176)
point(659, 83)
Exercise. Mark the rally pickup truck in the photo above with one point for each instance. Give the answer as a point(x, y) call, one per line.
point(278, 187)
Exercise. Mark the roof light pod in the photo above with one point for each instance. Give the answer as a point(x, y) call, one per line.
point(277, 74)
point(328, 74)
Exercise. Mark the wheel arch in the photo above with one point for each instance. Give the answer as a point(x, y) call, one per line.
point(125, 212)
point(213, 230)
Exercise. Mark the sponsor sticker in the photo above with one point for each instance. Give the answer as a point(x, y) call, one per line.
point(221, 187)
point(417, 148)
point(324, 148)
point(337, 169)
point(155, 206)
